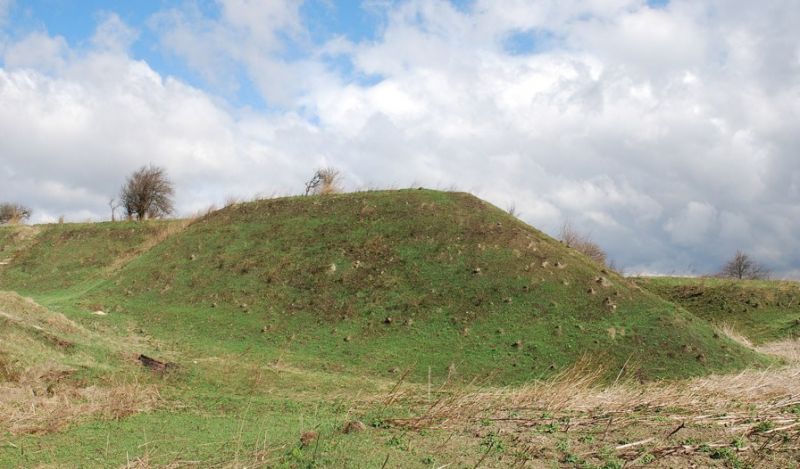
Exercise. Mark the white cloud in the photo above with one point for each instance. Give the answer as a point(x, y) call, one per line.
point(113, 34)
point(668, 134)
point(37, 51)
point(107, 115)
point(646, 42)
point(247, 38)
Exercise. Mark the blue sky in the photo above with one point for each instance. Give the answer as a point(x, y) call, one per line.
point(324, 19)
point(666, 129)
point(76, 22)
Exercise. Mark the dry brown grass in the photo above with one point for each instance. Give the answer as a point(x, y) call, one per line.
point(202, 213)
point(144, 463)
point(43, 400)
point(788, 349)
point(24, 312)
point(39, 351)
point(582, 243)
point(760, 408)
point(325, 181)
point(728, 331)
point(578, 389)
point(232, 200)
point(21, 237)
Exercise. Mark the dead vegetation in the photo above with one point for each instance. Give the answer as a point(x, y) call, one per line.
point(39, 352)
point(17, 239)
point(160, 235)
point(743, 267)
point(325, 181)
point(741, 420)
point(728, 331)
point(582, 243)
point(147, 193)
point(13, 213)
point(44, 400)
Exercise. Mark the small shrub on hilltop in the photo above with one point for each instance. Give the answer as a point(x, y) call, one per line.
point(325, 181)
point(11, 213)
point(583, 244)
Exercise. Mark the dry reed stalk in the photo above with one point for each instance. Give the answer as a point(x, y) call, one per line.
point(788, 349)
point(731, 333)
point(768, 392)
point(32, 406)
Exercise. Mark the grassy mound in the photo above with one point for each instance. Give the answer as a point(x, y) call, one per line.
point(430, 282)
point(762, 310)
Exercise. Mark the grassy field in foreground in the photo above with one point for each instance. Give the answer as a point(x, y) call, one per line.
point(760, 310)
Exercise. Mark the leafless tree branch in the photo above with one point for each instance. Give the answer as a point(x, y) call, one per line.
point(147, 193)
point(12, 213)
point(742, 266)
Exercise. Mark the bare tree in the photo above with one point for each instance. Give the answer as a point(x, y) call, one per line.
point(12, 213)
point(582, 243)
point(113, 205)
point(147, 193)
point(324, 181)
point(742, 266)
point(512, 210)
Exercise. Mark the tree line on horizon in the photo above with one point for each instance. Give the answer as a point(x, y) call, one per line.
point(148, 193)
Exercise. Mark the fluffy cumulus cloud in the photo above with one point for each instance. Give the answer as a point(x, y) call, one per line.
point(669, 133)
point(248, 37)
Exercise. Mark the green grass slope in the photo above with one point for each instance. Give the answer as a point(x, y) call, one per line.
point(59, 257)
point(383, 282)
point(761, 310)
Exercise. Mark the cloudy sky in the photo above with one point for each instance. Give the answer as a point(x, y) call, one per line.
point(668, 130)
